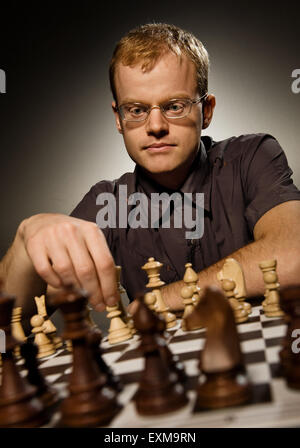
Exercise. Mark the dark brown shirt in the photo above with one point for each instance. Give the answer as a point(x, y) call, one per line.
point(241, 178)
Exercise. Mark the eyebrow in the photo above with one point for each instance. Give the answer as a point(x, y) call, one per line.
point(175, 96)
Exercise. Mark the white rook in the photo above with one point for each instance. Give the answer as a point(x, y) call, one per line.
point(2, 341)
point(2, 81)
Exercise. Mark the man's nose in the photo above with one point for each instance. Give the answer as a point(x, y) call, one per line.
point(156, 123)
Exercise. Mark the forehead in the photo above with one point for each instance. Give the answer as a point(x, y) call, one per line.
point(170, 77)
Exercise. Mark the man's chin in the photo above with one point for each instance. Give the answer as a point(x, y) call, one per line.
point(159, 170)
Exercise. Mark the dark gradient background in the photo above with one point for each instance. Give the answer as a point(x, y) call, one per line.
point(57, 134)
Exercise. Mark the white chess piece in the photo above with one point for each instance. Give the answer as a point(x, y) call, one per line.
point(118, 331)
point(152, 267)
point(48, 327)
point(271, 304)
point(232, 270)
point(17, 329)
point(44, 344)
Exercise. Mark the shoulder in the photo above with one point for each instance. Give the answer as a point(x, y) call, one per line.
point(111, 186)
point(244, 145)
point(89, 206)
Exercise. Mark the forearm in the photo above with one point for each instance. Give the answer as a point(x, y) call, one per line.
point(249, 257)
point(20, 278)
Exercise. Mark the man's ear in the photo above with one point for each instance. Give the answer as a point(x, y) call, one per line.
point(117, 117)
point(207, 110)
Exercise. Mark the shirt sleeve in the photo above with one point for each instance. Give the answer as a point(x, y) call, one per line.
point(267, 178)
point(87, 208)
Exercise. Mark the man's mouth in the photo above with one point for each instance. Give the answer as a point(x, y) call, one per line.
point(158, 147)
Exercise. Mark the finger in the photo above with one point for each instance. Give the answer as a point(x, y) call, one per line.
point(62, 264)
point(40, 260)
point(104, 265)
point(100, 307)
point(84, 267)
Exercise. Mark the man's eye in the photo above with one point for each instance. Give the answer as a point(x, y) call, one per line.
point(136, 110)
point(175, 107)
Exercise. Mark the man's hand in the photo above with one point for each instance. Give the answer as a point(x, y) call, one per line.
point(66, 250)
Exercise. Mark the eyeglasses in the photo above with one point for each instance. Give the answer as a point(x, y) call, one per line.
point(177, 108)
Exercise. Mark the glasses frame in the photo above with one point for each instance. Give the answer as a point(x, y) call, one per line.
point(160, 106)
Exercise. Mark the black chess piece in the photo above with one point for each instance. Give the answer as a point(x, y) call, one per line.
point(94, 340)
point(172, 361)
point(223, 381)
point(159, 390)
point(90, 401)
point(19, 405)
point(46, 393)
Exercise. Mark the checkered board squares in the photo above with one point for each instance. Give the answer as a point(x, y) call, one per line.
point(272, 403)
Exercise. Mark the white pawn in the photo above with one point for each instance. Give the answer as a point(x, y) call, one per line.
point(118, 330)
point(191, 278)
point(150, 300)
point(187, 294)
point(45, 346)
point(240, 313)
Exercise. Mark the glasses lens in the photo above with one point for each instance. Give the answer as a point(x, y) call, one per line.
point(177, 108)
point(134, 112)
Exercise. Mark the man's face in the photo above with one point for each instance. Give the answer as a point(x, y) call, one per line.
point(159, 144)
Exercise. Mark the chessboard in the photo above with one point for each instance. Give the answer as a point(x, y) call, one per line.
point(272, 404)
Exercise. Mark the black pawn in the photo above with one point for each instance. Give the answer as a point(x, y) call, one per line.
point(159, 390)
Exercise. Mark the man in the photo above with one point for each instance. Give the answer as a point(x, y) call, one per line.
point(158, 76)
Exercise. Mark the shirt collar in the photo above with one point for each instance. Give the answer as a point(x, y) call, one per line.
point(197, 181)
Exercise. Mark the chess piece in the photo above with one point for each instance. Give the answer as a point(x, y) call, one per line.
point(271, 304)
point(125, 316)
point(191, 278)
point(173, 362)
point(69, 345)
point(94, 340)
point(152, 268)
point(118, 331)
point(232, 270)
point(19, 405)
point(240, 312)
point(90, 402)
point(121, 290)
point(290, 352)
point(159, 390)
point(48, 327)
point(187, 294)
point(89, 318)
point(150, 301)
point(223, 381)
point(17, 329)
point(44, 344)
point(46, 393)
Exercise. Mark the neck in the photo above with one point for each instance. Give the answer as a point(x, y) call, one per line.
point(172, 180)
